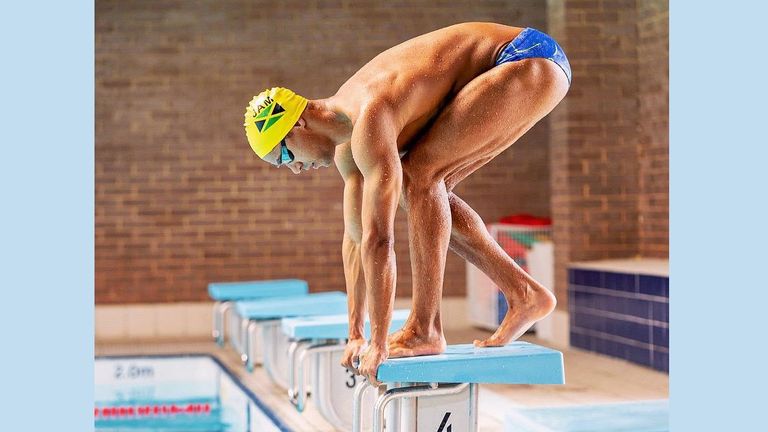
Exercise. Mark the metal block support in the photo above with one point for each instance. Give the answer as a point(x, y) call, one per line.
point(437, 407)
point(220, 310)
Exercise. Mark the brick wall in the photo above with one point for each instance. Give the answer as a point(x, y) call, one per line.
point(653, 52)
point(609, 142)
point(558, 152)
point(180, 198)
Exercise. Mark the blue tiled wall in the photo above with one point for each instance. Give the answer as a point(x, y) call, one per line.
point(621, 315)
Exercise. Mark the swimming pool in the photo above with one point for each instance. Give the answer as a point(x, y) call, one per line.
point(175, 393)
point(643, 416)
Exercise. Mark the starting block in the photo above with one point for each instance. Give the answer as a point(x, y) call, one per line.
point(439, 392)
point(263, 317)
point(226, 293)
point(317, 344)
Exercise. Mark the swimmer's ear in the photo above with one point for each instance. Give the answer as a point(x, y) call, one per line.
point(301, 123)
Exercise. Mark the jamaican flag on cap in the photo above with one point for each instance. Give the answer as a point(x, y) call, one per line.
point(270, 116)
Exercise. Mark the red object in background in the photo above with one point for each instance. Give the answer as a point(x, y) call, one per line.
point(513, 248)
point(525, 219)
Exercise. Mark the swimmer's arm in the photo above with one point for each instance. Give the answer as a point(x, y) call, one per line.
point(375, 153)
point(353, 271)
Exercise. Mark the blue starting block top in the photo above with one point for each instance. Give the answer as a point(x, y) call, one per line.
point(286, 307)
point(333, 326)
point(515, 363)
point(233, 291)
point(644, 416)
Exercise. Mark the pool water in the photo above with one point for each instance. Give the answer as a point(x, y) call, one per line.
point(175, 393)
point(644, 416)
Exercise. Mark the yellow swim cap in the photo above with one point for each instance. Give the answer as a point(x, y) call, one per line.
point(270, 116)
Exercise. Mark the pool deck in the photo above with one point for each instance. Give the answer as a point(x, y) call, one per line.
point(590, 378)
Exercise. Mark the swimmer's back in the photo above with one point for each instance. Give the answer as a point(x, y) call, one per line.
point(419, 75)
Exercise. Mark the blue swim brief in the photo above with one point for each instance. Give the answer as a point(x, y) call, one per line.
point(531, 43)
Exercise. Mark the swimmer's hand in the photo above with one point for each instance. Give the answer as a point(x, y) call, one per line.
point(351, 357)
point(370, 360)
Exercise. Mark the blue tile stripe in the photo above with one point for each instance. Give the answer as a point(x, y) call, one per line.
point(661, 361)
point(660, 311)
point(621, 282)
point(594, 334)
point(653, 285)
point(617, 293)
point(624, 306)
point(637, 311)
point(626, 349)
point(626, 329)
point(615, 281)
point(660, 336)
point(611, 347)
point(587, 278)
point(621, 315)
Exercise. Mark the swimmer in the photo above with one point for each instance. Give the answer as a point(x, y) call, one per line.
point(404, 130)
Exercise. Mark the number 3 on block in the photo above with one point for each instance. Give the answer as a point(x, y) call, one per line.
point(351, 380)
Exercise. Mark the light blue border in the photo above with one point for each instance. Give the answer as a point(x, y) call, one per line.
point(46, 215)
point(718, 201)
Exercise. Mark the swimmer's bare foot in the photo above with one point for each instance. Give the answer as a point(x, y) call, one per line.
point(525, 308)
point(394, 336)
point(409, 341)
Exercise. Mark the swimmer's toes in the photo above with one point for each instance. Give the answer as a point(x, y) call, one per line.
point(493, 341)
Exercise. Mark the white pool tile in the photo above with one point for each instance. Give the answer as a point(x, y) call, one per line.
point(169, 321)
point(111, 323)
point(141, 322)
point(198, 319)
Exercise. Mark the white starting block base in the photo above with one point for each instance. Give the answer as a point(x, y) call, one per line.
point(417, 407)
point(248, 346)
point(335, 390)
point(277, 350)
point(220, 310)
point(319, 342)
point(439, 393)
point(332, 387)
point(451, 411)
point(254, 314)
point(226, 293)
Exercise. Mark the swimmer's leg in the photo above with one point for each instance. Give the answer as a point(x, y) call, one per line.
point(486, 116)
point(422, 334)
point(528, 301)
